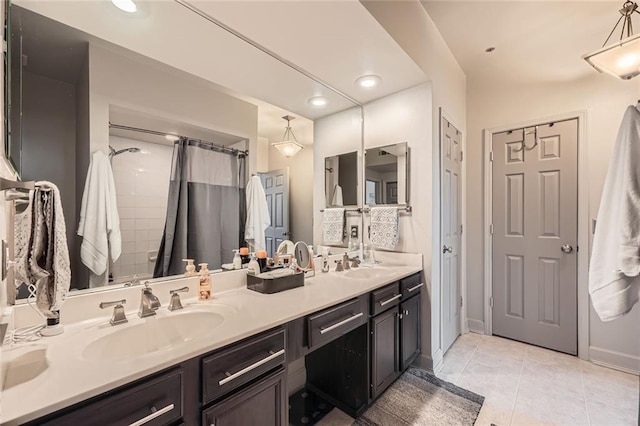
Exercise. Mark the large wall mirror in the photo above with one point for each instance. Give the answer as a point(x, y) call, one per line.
point(341, 179)
point(116, 91)
point(387, 175)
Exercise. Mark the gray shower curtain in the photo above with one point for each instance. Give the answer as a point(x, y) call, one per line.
point(205, 213)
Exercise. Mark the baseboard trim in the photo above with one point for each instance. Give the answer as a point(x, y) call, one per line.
point(476, 326)
point(616, 360)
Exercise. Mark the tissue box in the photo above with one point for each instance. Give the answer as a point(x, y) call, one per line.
point(275, 285)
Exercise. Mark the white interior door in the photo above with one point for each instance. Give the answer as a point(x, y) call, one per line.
point(276, 189)
point(450, 232)
point(535, 216)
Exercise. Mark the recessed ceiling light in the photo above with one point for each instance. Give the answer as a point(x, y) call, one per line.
point(172, 138)
point(369, 81)
point(125, 5)
point(318, 101)
point(489, 49)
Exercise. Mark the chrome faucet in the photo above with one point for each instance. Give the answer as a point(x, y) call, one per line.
point(149, 303)
point(345, 261)
point(118, 316)
point(175, 303)
point(339, 267)
point(355, 261)
point(135, 281)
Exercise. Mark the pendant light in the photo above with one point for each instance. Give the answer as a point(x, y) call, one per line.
point(622, 58)
point(289, 145)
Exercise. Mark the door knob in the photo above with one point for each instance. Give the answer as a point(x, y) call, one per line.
point(567, 248)
point(285, 234)
point(446, 249)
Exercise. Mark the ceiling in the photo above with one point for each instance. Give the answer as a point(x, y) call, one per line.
point(535, 41)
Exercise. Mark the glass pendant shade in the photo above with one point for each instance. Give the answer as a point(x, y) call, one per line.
point(287, 148)
point(620, 59)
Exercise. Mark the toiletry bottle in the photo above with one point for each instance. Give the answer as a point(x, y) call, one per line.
point(190, 269)
point(244, 255)
point(253, 268)
point(294, 265)
point(312, 265)
point(237, 262)
point(205, 283)
point(262, 259)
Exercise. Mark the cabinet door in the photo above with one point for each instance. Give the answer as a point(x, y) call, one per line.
point(384, 351)
point(264, 404)
point(410, 331)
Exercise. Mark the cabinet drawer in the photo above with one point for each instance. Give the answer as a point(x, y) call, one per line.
point(331, 323)
point(152, 403)
point(411, 285)
point(233, 367)
point(385, 298)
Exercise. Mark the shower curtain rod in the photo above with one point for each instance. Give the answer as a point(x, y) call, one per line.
point(222, 148)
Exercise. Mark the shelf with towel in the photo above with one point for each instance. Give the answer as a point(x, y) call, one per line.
point(402, 209)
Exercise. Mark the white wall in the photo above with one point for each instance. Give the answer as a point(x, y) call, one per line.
point(493, 105)
point(412, 28)
point(300, 191)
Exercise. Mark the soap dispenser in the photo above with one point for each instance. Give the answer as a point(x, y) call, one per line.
point(237, 261)
point(253, 268)
point(205, 283)
point(190, 269)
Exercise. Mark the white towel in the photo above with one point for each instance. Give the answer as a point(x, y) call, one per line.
point(258, 217)
point(99, 220)
point(384, 231)
point(333, 226)
point(337, 197)
point(614, 271)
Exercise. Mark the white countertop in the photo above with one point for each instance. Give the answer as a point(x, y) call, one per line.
point(69, 378)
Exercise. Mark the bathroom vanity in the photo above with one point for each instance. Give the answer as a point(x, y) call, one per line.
point(358, 330)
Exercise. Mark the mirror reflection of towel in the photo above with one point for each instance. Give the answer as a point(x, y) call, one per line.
point(384, 227)
point(336, 200)
point(333, 226)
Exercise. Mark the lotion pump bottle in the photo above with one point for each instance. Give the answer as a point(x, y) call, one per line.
point(237, 261)
point(253, 268)
point(205, 283)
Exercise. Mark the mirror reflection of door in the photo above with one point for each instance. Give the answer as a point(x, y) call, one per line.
point(372, 191)
point(391, 193)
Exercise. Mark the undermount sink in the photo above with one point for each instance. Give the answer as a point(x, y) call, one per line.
point(21, 364)
point(366, 273)
point(153, 335)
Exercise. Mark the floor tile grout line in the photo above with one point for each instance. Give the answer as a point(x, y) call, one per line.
point(470, 358)
point(515, 400)
point(584, 392)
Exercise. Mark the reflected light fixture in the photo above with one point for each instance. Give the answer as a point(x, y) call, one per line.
point(368, 81)
point(289, 145)
point(125, 5)
point(621, 58)
point(318, 101)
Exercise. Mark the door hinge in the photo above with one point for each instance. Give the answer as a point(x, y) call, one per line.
point(491, 302)
point(461, 156)
point(491, 156)
point(491, 229)
point(461, 302)
point(461, 229)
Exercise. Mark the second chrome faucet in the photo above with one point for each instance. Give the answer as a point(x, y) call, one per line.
point(149, 302)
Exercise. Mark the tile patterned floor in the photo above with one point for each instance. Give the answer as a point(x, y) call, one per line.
point(525, 385)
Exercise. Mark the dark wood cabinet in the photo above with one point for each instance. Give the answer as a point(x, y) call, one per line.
point(264, 403)
point(385, 338)
point(409, 331)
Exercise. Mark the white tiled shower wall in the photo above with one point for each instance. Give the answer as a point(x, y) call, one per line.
point(142, 187)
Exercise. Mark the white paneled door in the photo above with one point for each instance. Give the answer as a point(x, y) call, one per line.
point(451, 230)
point(276, 189)
point(535, 216)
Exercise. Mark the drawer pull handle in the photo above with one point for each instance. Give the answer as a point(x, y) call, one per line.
point(415, 288)
point(341, 323)
point(386, 302)
point(253, 366)
point(154, 414)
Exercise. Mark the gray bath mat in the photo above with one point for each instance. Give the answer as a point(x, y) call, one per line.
point(419, 398)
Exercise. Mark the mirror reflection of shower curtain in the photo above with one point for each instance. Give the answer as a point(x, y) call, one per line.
point(205, 218)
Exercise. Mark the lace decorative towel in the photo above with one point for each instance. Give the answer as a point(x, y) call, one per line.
point(333, 226)
point(384, 227)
